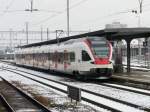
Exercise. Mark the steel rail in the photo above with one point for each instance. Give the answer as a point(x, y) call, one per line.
point(6, 104)
point(32, 100)
point(113, 78)
point(87, 91)
point(121, 88)
point(84, 99)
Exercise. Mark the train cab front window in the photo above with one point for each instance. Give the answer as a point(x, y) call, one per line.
point(99, 46)
point(85, 56)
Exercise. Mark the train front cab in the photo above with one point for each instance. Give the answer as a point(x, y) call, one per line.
point(96, 58)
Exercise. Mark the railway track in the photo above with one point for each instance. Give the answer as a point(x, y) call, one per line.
point(4, 105)
point(112, 85)
point(94, 98)
point(123, 82)
point(14, 99)
point(126, 88)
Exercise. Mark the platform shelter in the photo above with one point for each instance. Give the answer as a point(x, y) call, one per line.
point(127, 34)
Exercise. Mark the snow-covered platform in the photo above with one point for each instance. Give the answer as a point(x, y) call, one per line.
point(135, 76)
point(8, 61)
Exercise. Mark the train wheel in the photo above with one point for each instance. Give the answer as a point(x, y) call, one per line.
point(81, 77)
point(77, 75)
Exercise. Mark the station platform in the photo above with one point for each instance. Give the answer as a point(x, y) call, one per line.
point(136, 76)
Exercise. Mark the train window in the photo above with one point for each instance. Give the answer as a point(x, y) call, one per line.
point(72, 57)
point(52, 56)
point(55, 57)
point(59, 57)
point(85, 56)
point(38, 56)
point(100, 46)
point(49, 56)
point(44, 57)
point(66, 56)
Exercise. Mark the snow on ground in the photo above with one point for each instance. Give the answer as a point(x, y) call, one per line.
point(138, 99)
point(137, 62)
point(56, 97)
point(87, 95)
point(116, 105)
point(1, 64)
point(131, 88)
point(134, 98)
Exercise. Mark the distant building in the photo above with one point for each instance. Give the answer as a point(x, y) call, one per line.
point(115, 25)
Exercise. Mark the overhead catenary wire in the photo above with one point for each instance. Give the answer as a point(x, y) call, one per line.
point(57, 12)
point(55, 15)
point(39, 10)
point(104, 17)
point(6, 10)
point(109, 16)
point(8, 7)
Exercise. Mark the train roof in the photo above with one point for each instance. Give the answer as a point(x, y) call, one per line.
point(110, 34)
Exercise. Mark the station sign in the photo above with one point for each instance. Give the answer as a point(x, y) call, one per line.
point(74, 93)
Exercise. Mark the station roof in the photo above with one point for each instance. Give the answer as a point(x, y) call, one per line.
point(110, 34)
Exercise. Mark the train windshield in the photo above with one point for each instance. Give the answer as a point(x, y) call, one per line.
point(99, 46)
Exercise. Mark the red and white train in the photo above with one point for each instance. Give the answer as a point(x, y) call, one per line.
point(88, 57)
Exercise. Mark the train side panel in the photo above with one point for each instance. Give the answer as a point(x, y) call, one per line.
point(76, 58)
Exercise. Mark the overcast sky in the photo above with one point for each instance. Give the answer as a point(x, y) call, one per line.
point(84, 14)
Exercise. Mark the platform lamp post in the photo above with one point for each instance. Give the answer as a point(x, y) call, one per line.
point(10, 35)
point(58, 33)
point(27, 32)
point(47, 34)
point(139, 25)
point(41, 33)
point(139, 12)
point(31, 8)
point(68, 19)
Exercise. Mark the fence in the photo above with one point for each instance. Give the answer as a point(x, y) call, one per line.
point(16, 38)
point(137, 59)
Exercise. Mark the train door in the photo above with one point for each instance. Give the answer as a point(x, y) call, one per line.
point(49, 60)
point(33, 59)
point(65, 60)
point(70, 63)
point(55, 62)
point(42, 59)
point(84, 61)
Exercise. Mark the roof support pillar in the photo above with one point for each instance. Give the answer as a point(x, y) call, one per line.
point(128, 41)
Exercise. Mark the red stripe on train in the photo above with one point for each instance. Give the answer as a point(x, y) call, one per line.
point(101, 61)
